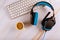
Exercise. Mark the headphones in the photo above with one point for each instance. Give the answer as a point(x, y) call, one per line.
point(47, 23)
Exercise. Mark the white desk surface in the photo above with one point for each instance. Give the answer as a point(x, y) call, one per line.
point(8, 26)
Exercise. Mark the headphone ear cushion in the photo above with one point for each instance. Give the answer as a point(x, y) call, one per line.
point(48, 24)
point(35, 18)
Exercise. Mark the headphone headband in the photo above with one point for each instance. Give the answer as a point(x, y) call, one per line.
point(43, 3)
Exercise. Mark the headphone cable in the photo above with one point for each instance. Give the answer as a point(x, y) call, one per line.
point(44, 35)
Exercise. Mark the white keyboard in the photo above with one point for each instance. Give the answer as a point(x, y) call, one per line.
point(20, 7)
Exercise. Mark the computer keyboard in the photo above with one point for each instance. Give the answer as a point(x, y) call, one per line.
point(20, 7)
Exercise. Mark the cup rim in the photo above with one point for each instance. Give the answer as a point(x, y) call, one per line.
point(21, 23)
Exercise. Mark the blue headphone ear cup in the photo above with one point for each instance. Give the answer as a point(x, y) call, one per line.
point(35, 18)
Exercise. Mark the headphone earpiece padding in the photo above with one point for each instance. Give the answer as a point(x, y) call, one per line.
point(35, 18)
point(48, 24)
